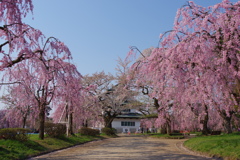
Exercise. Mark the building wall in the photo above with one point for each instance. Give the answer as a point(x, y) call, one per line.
point(117, 124)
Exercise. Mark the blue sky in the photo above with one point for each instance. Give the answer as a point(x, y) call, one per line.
point(99, 31)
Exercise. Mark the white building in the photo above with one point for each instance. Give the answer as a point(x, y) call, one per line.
point(128, 121)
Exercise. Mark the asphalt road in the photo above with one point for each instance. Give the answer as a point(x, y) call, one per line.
point(125, 148)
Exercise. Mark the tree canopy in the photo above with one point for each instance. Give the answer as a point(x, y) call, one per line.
point(196, 65)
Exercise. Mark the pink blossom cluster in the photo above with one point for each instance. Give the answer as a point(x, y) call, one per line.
point(194, 73)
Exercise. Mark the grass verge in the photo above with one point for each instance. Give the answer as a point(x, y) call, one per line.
point(12, 149)
point(226, 146)
point(166, 136)
point(108, 136)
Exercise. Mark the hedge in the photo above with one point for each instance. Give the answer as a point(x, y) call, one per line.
point(55, 129)
point(88, 131)
point(109, 131)
point(19, 134)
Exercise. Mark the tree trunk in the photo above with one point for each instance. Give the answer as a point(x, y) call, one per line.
point(227, 124)
point(156, 104)
point(108, 117)
point(227, 121)
point(164, 129)
point(108, 122)
point(25, 115)
point(205, 130)
point(204, 122)
point(85, 123)
point(70, 125)
point(24, 121)
point(168, 124)
point(41, 122)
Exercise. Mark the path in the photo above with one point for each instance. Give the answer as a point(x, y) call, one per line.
point(124, 148)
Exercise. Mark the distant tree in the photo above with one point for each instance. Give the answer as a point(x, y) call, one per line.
point(111, 93)
point(114, 101)
point(98, 84)
point(19, 107)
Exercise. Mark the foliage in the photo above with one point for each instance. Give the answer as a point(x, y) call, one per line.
point(226, 146)
point(19, 134)
point(194, 73)
point(70, 98)
point(109, 131)
point(55, 129)
point(89, 131)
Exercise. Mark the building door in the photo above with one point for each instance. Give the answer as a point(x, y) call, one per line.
point(126, 130)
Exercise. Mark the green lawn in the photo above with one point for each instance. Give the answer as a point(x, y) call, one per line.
point(165, 136)
point(12, 149)
point(227, 145)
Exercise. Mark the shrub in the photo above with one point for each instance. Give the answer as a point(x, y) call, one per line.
point(88, 131)
point(175, 134)
point(55, 130)
point(109, 131)
point(19, 134)
point(175, 131)
point(216, 132)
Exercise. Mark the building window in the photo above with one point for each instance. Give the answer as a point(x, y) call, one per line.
point(127, 110)
point(127, 123)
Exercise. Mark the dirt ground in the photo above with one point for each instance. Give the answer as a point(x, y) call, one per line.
point(125, 148)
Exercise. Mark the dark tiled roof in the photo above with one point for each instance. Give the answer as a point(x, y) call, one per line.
point(129, 115)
